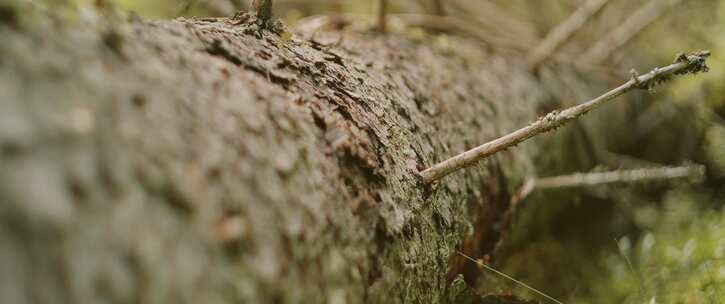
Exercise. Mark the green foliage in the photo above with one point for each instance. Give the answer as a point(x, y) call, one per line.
point(678, 258)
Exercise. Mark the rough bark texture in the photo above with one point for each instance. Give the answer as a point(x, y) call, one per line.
point(206, 161)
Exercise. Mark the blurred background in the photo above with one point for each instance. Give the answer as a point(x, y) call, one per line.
point(656, 242)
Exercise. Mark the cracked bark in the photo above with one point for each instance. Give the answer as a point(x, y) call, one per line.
point(204, 161)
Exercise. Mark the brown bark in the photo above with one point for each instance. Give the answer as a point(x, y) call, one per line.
point(206, 160)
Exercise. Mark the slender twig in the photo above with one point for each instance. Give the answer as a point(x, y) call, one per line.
point(695, 172)
point(450, 24)
point(564, 31)
point(430, 22)
point(489, 17)
point(491, 269)
point(625, 32)
point(683, 64)
point(382, 15)
point(620, 176)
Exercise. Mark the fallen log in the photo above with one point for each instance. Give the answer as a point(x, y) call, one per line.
point(213, 160)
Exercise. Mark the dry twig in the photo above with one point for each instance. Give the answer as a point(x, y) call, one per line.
point(450, 24)
point(489, 17)
point(610, 177)
point(382, 15)
point(623, 176)
point(629, 29)
point(430, 22)
point(683, 64)
point(564, 31)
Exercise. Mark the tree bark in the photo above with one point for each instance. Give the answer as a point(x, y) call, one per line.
point(208, 160)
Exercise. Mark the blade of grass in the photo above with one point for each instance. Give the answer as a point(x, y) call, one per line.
point(522, 284)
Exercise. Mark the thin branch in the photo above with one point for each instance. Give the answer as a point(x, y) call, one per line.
point(564, 31)
point(629, 29)
point(430, 22)
point(683, 64)
point(450, 24)
point(489, 17)
point(620, 176)
point(382, 15)
point(576, 180)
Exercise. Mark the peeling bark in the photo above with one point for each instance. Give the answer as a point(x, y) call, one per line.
point(206, 160)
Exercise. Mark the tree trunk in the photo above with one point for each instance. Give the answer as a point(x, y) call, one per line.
point(206, 160)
